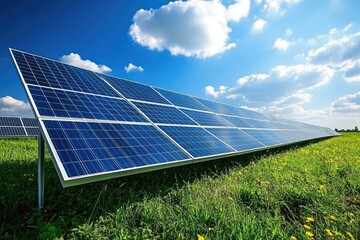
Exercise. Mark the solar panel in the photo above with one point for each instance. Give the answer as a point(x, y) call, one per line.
point(60, 103)
point(12, 131)
point(181, 100)
point(242, 112)
point(32, 131)
point(206, 119)
point(238, 122)
point(214, 106)
point(236, 138)
point(89, 148)
point(29, 122)
point(135, 91)
point(197, 141)
point(164, 114)
point(259, 124)
point(98, 126)
point(262, 137)
point(10, 121)
point(18, 127)
point(48, 73)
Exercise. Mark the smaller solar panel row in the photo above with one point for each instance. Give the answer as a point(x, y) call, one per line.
point(18, 126)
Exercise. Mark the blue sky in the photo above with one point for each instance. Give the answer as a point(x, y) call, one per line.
point(297, 59)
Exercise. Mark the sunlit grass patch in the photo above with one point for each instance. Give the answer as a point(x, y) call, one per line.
point(300, 193)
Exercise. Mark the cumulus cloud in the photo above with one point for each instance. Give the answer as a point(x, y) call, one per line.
point(341, 53)
point(131, 67)
point(280, 81)
point(210, 90)
point(282, 44)
point(10, 106)
point(258, 25)
point(75, 59)
point(277, 6)
point(238, 10)
point(192, 28)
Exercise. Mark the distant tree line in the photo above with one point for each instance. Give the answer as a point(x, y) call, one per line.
point(356, 129)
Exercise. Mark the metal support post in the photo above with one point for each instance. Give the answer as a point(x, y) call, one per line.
point(41, 156)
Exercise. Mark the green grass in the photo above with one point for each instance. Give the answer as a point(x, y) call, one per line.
point(264, 196)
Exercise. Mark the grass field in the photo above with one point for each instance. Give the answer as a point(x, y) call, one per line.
point(310, 192)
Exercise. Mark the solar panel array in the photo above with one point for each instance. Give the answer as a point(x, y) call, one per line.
point(98, 126)
point(18, 127)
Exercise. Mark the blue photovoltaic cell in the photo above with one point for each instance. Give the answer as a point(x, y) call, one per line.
point(197, 141)
point(14, 126)
point(261, 137)
point(12, 131)
point(10, 121)
point(32, 131)
point(235, 138)
point(277, 135)
point(29, 122)
point(181, 100)
point(238, 122)
point(293, 135)
point(259, 124)
point(164, 114)
point(59, 103)
point(206, 119)
point(135, 91)
point(88, 148)
point(44, 72)
point(214, 106)
point(241, 112)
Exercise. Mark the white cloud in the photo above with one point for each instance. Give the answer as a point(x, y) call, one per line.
point(238, 10)
point(75, 59)
point(210, 90)
point(282, 44)
point(348, 27)
point(348, 103)
point(277, 6)
point(193, 28)
point(10, 106)
point(258, 25)
point(280, 81)
point(296, 98)
point(131, 67)
point(288, 32)
point(341, 53)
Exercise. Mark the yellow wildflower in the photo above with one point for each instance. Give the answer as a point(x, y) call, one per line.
point(264, 182)
point(329, 233)
point(309, 234)
point(351, 215)
point(350, 236)
point(338, 234)
point(200, 237)
point(332, 217)
point(310, 219)
point(322, 187)
point(293, 238)
point(211, 229)
point(307, 227)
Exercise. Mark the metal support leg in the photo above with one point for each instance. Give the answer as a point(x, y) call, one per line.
point(41, 155)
